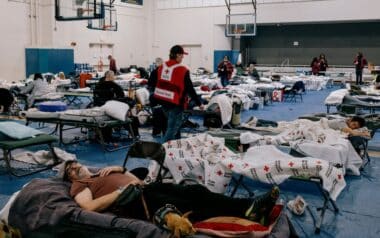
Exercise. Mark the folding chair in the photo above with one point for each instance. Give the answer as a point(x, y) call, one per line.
point(148, 150)
point(295, 91)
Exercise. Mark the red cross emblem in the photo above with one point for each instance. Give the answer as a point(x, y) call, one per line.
point(339, 176)
point(166, 71)
point(179, 168)
point(266, 168)
point(291, 164)
point(200, 177)
point(230, 166)
point(319, 162)
point(220, 173)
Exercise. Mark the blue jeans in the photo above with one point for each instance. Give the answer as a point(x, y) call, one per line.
point(224, 80)
point(175, 120)
point(359, 77)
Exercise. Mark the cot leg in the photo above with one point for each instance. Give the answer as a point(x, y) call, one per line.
point(98, 131)
point(327, 199)
point(239, 182)
point(7, 157)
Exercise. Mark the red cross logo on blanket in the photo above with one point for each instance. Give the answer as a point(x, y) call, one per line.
point(200, 177)
point(230, 166)
point(219, 172)
point(180, 168)
point(266, 168)
point(339, 176)
point(291, 164)
point(166, 71)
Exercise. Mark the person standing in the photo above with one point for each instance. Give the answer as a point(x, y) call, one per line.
point(314, 66)
point(225, 69)
point(360, 62)
point(112, 64)
point(323, 65)
point(172, 88)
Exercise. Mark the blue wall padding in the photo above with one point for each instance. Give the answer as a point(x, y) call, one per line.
point(219, 55)
point(49, 60)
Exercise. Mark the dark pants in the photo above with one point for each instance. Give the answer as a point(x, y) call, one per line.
point(196, 198)
point(359, 77)
point(174, 116)
point(224, 80)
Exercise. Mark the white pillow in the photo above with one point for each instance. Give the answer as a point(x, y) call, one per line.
point(116, 109)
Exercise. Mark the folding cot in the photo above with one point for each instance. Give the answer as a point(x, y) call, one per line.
point(49, 201)
point(232, 141)
point(90, 123)
point(9, 145)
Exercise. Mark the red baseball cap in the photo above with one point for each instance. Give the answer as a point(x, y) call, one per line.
point(177, 49)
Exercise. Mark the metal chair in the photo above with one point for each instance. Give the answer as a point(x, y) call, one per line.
point(291, 93)
point(149, 150)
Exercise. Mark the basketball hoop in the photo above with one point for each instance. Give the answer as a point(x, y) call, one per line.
point(237, 33)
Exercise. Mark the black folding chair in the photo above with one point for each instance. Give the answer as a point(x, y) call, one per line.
point(291, 93)
point(148, 150)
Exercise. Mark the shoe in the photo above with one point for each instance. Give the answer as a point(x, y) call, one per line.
point(262, 206)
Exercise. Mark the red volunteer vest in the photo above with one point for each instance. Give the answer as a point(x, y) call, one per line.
point(170, 83)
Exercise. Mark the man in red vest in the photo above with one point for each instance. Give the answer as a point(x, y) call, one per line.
point(172, 88)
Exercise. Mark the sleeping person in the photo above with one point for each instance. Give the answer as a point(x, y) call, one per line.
point(103, 190)
point(351, 126)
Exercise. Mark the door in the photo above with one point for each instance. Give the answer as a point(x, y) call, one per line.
point(194, 59)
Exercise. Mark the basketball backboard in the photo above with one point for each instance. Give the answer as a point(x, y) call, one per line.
point(72, 10)
point(108, 23)
point(241, 24)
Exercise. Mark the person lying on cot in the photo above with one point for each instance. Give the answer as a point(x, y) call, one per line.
point(350, 126)
point(104, 190)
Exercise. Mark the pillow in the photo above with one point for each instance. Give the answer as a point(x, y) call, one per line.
point(238, 227)
point(116, 109)
point(17, 131)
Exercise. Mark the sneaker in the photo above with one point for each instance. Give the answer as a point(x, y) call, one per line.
point(262, 206)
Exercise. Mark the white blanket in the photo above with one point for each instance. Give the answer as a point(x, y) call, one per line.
point(336, 97)
point(199, 158)
point(270, 165)
point(206, 159)
point(315, 139)
point(225, 105)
